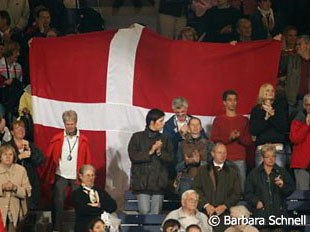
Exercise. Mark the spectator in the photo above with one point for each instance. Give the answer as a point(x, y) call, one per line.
point(290, 39)
point(10, 80)
point(176, 126)
point(150, 152)
point(5, 134)
point(171, 225)
point(240, 211)
point(97, 225)
point(9, 68)
point(188, 214)
point(298, 75)
point(14, 189)
point(265, 23)
point(188, 34)
point(5, 22)
point(67, 152)
point(30, 157)
point(289, 49)
point(233, 130)
point(172, 17)
point(25, 112)
point(193, 152)
point(267, 187)
point(18, 11)
point(89, 202)
point(269, 124)
point(25, 102)
point(193, 228)
point(219, 22)
point(218, 185)
point(300, 137)
point(244, 30)
point(41, 26)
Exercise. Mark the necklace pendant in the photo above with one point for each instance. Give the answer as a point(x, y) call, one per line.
point(69, 157)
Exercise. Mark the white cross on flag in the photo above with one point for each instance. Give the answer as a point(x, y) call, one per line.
point(113, 78)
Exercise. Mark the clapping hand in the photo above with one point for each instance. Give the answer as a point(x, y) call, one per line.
point(156, 147)
point(269, 109)
point(235, 134)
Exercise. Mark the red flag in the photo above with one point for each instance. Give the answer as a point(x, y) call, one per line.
point(112, 78)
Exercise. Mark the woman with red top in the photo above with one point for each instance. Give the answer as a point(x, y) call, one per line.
point(300, 137)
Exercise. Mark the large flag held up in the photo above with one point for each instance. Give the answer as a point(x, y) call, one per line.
point(113, 78)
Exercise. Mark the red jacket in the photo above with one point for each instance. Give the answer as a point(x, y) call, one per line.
point(300, 137)
point(54, 152)
point(2, 228)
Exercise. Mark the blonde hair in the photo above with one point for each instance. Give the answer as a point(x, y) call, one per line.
point(268, 147)
point(239, 211)
point(69, 115)
point(306, 99)
point(261, 92)
point(190, 30)
point(7, 147)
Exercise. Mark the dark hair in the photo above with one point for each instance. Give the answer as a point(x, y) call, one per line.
point(171, 223)
point(153, 115)
point(40, 9)
point(93, 223)
point(17, 122)
point(192, 226)
point(5, 15)
point(289, 28)
point(193, 118)
point(10, 47)
point(229, 92)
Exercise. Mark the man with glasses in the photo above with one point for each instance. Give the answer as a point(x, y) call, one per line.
point(68, 151)
point(176, 127)
point(188, 213)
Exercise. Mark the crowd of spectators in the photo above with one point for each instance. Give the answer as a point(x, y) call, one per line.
point(210, 174)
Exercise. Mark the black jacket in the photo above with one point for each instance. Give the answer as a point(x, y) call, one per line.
point(149, 173)
point(261, 187)
point(85, 213)
point(274, 129)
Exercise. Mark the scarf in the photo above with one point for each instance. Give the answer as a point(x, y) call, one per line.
point(267, 19)
point(92, 193)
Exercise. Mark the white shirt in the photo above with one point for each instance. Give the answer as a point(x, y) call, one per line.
point(67, 168)
point(218, 165)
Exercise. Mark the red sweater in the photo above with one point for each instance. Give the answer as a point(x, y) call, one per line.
point(221, 130)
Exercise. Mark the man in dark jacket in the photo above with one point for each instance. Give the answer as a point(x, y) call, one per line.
point(267, 187)
point(150, 153)
point(218, 185)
